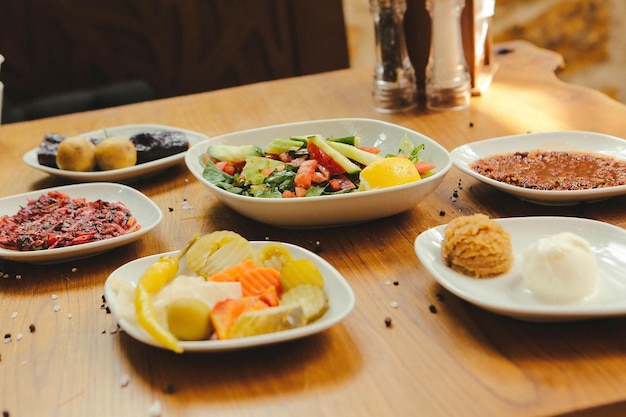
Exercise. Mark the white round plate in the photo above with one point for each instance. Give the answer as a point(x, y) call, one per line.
point(507, 294)
point(124, 174)
point(464, 155)
point(147, 213)
point(340, 299)
point(329, 210)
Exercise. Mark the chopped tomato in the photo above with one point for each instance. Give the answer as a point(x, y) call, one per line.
point(321, 175)
point(341, 182)
point(324, 159)
point(300, 192)
point(268, 171)
point(370, 149)
point(288, 194)
point(304, 176)
point(206, 158)
point(226, 167)
point(423, 166)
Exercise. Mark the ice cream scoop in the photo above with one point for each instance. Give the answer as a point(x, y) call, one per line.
point(560, 268)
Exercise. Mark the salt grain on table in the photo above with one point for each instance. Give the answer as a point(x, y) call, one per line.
point(155, 409)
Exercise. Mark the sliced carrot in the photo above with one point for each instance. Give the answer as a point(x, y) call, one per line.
point(270, 297)
point(257, 280)
point(234, 272)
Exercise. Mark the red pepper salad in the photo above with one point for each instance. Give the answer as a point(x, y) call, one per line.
point(300, 166)
point(55, 220)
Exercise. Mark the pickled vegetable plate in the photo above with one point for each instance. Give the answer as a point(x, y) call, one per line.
point(329, 210)
point(124, 174)
point(341, 300)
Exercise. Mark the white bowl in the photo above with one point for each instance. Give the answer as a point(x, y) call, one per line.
point(329, 210)
point(565, 140)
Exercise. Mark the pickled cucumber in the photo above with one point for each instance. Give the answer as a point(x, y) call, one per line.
point(217, 251)
point(311, 298)
point(273, 255)
point(268, 320)
point(300, 272)
point(189, 319)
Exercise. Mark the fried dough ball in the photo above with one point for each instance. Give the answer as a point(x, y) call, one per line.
point(76, 154)
point(115, 153)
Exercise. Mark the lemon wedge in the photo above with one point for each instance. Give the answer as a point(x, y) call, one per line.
point(388, 172)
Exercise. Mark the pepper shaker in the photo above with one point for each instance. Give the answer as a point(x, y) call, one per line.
point(394, 86)
point(448, 84)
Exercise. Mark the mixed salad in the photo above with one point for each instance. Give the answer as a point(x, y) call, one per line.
point(299, 166)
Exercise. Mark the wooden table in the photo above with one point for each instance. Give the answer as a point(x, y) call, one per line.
point(457, 361)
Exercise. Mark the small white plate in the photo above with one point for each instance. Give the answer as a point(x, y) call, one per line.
point(464, 155)
point(340, 298)
point(330, 210)
point(124, 174)
point(507, 294)
point(147, 213)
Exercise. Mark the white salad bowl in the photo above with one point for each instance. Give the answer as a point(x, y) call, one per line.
point(329, 210)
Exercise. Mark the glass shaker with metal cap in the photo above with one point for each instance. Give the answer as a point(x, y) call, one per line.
point(448, 84)
point(394, 86)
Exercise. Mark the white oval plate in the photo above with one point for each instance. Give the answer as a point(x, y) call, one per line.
point(340, 299)
point(507, 294)
point(147, 213)
point(330, 210)
point(464, 155)
point(124, 174)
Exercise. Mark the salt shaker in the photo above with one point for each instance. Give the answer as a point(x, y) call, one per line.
point(394, 86)
point(448, 85)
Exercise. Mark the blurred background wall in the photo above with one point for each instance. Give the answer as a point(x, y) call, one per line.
point(590, 34)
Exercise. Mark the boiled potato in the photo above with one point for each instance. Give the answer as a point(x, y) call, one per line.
point(76, 154)
point(115, 153)
point(189, 319)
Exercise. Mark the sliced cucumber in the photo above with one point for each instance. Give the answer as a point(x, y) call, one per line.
point(338, 157)
point(349, 140)
point(278, 146)
point(233, 153)
point(303, 139)
point(356, 154)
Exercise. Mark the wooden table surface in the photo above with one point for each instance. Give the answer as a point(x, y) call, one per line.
point(458, 361)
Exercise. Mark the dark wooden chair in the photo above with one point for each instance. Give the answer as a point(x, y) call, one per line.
point(72, 55)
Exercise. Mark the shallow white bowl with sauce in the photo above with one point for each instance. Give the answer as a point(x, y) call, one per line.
point(329, 210)
point(578, 141)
